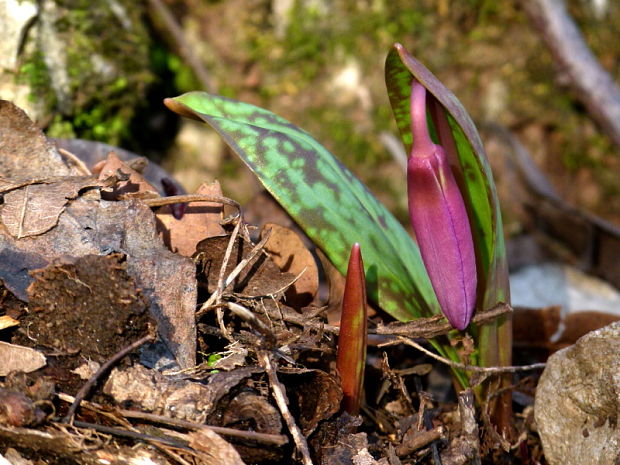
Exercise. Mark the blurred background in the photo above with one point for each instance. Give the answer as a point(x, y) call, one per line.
point(99, 70)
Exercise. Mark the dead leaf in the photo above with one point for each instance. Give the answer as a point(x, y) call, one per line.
point(200, 221)
point(134, 187)
point(288, 252)
point(316, 394)
point(25, 152)
point(91, 152)
point(19, 358)
point(34, 209)
point(91, 226)
point(217, 450)
point(261, 277)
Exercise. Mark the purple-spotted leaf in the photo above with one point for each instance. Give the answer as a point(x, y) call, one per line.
point(332, 206)
point(351, 357)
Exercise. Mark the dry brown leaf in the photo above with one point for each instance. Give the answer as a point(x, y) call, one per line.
point(134, 187)
point(201, 220)
point(24, 150)
point(34, 209)
point(92, 152)
point(261, 277)
point(288, 252)
point(216, 450)
point(19, 358)
point(91, 226)
point(7, 322)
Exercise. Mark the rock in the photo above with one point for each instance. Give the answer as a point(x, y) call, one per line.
point(15, 18)
point(578, 401)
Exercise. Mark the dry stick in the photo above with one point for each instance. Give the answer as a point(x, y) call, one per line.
point(161, 201)
point(425, 328)
point(264, 358)
point(181, 44)
point(215, 297)
point(93, 379)
point(233, 274)
point(220, 282)
point(462, 366)
point(276, 439)
point(132, 434)
point(593, 85)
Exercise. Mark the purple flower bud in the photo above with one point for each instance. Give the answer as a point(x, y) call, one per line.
point(439, 220)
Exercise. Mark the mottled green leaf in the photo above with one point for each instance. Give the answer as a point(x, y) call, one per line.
point(462, 142)
point(331, 205)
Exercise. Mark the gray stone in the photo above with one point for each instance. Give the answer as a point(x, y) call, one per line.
point(578, 401)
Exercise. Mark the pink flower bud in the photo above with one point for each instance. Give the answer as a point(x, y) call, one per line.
point(439, 220)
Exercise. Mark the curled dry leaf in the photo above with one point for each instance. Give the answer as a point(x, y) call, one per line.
point(19, 358)
point(133, 187)
point(200, 220)
point(289, 253)
point(35, 208)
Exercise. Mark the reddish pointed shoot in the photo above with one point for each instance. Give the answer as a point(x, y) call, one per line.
point(439, 220)
point(353, 332)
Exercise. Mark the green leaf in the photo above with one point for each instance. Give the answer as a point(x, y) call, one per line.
point(330, 204)
point(469, 162)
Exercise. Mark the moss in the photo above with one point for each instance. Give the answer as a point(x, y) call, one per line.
point(107, 63)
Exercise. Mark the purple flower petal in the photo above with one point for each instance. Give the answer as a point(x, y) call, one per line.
point(439, 220)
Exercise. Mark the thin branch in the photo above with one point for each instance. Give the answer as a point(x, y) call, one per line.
point(592, 84)
point(234, 273)
point(83, 392)
point(132, 434)
point(277, 389)
point(462, 366)
point(183, 47)
point(172, 199)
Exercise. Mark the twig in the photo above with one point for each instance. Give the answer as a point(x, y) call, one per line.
point(185, 198)
point(132, 434)
point(429, 328)
point(264, 358)
point(462, 366)
point(266, 438)
point(215, 297)
point(424, 416)
point(276, 439)
point(593, 85)
point(103, 369)
point(234, 273)
point(251, 318)
point(183, 47)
